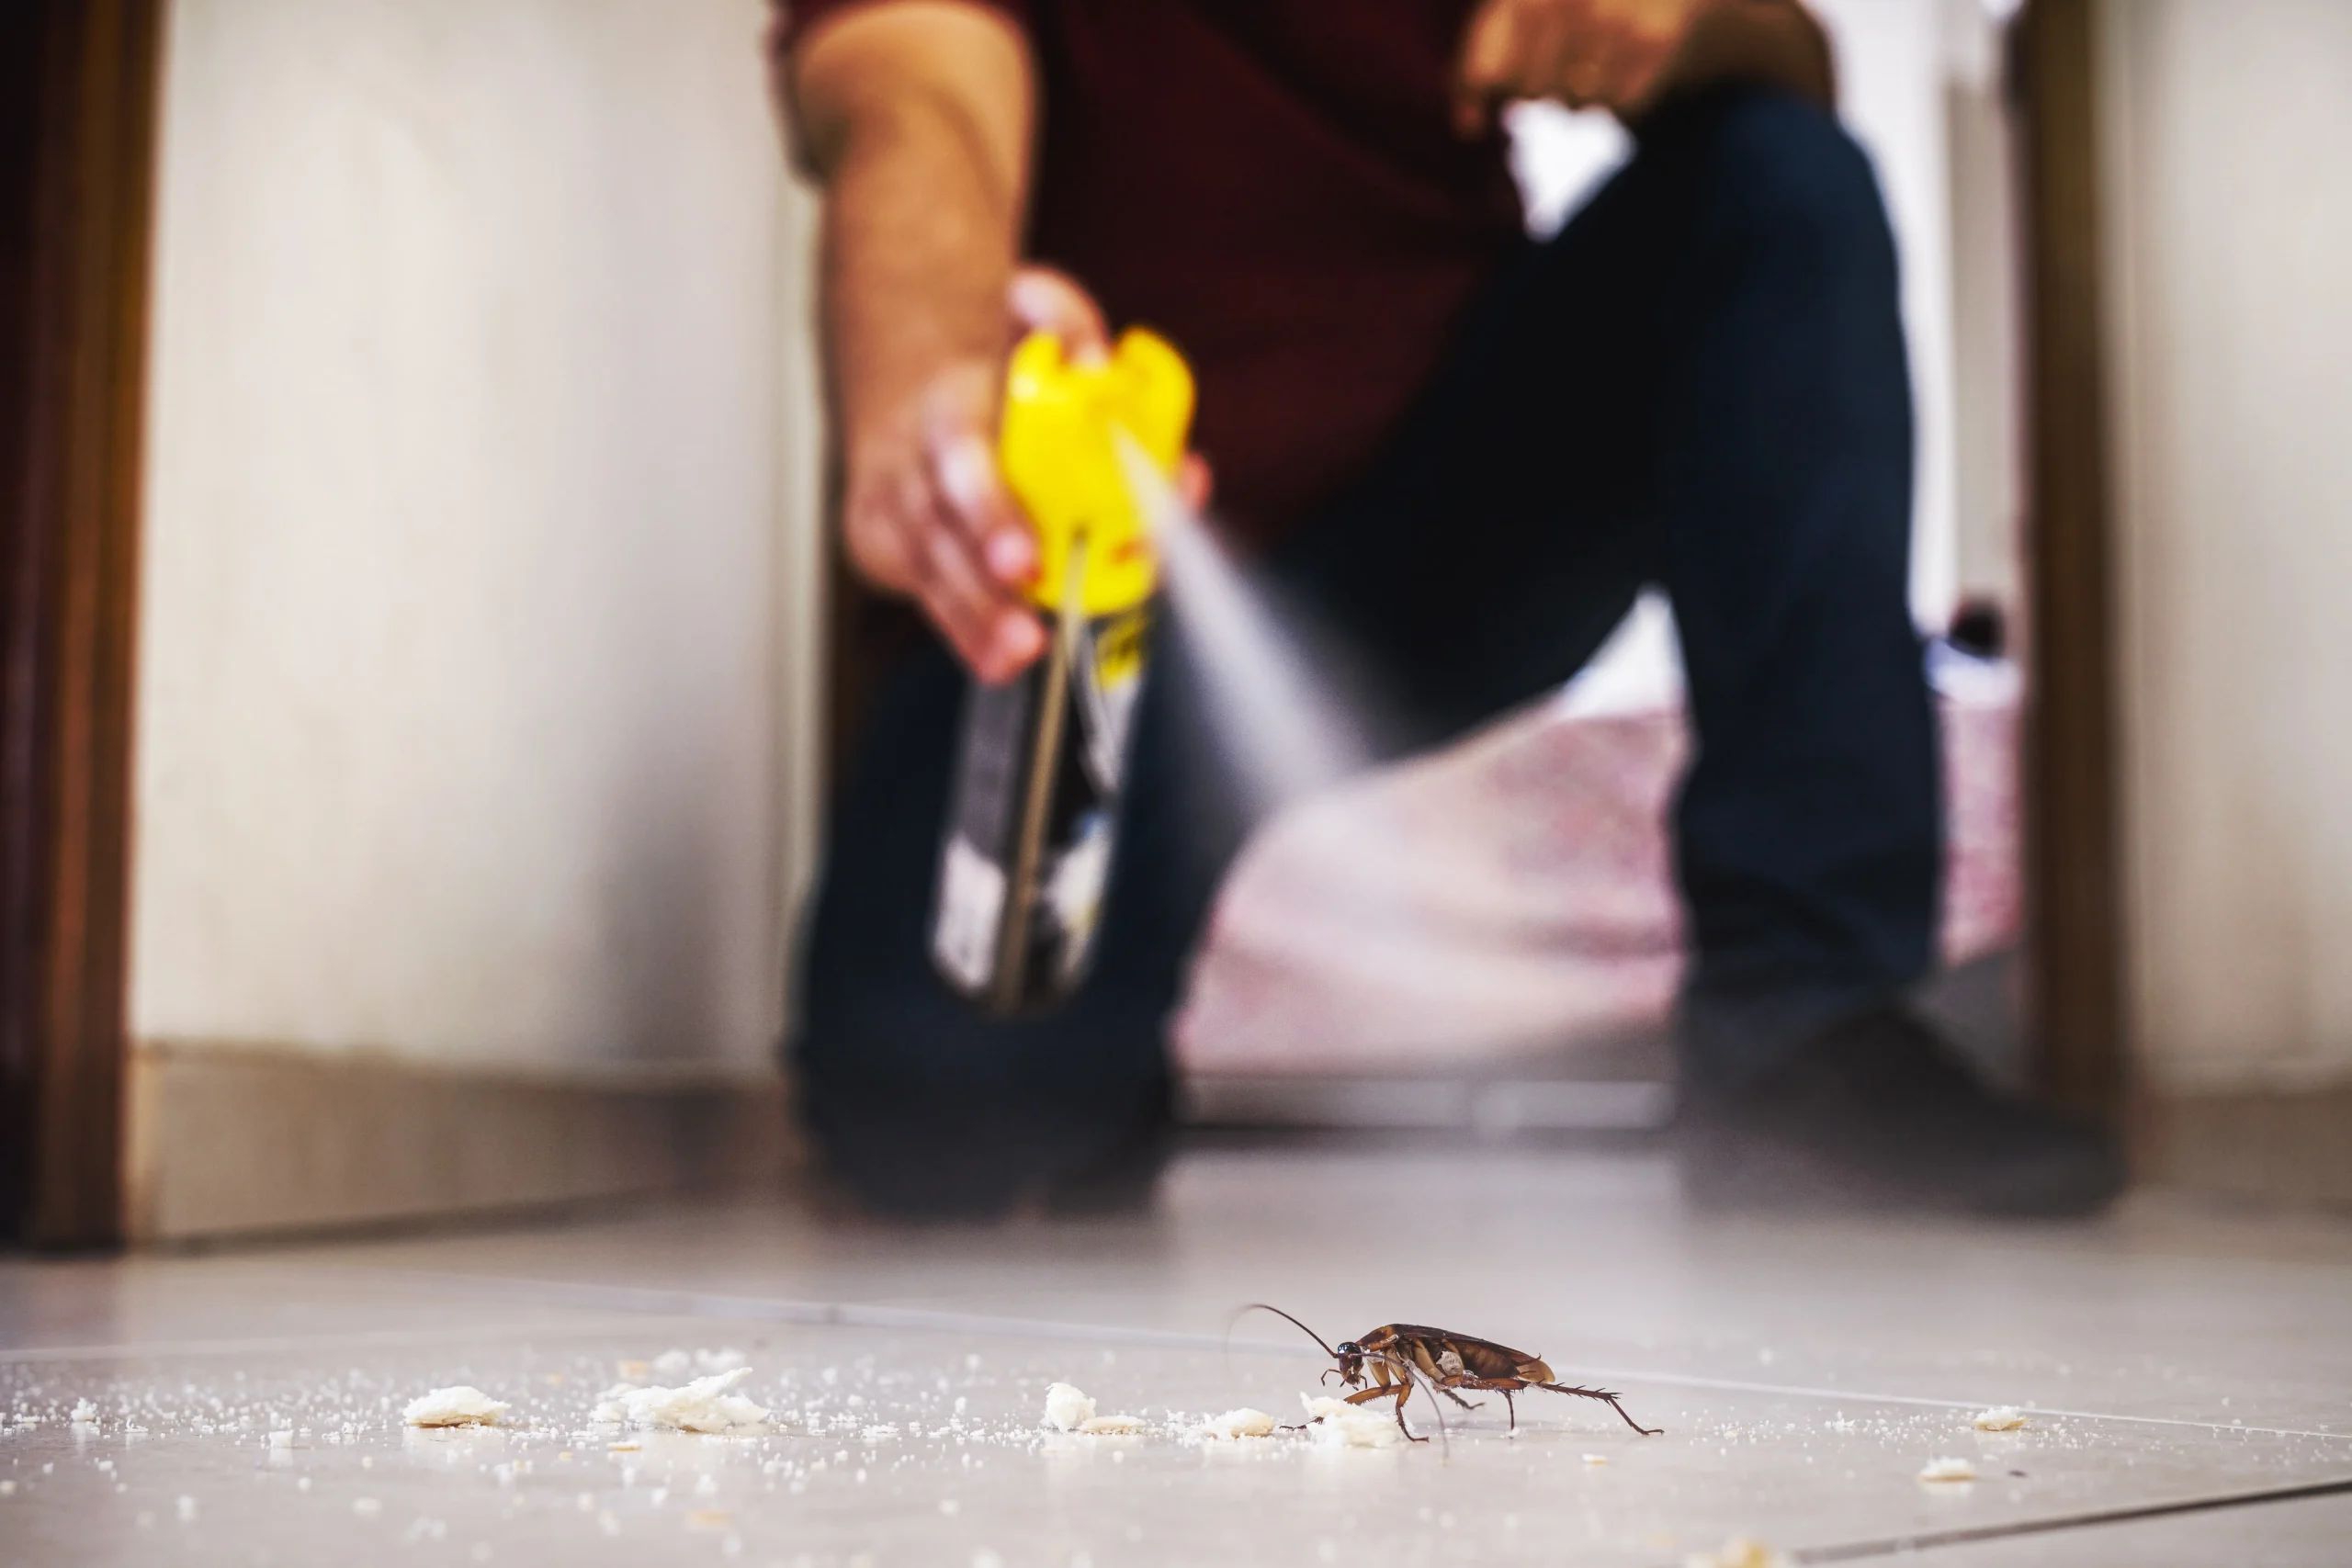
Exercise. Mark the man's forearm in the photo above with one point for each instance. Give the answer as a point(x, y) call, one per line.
point(916, 117)
point(916, 253)
point(1777, 41)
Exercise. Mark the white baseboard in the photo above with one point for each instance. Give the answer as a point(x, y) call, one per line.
point(229, 1140)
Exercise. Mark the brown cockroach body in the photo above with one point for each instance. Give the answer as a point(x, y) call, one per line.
point(1396, 1354)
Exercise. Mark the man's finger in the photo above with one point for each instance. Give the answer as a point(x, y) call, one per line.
point(993, 632)
point(980, 508)
point(960, 464)
point(1489, 48)
point(1196, 481)
point(1640, 68)
point(1042, 299)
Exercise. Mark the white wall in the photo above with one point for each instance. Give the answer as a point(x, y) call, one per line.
point(2230, 256)
point(476, 652)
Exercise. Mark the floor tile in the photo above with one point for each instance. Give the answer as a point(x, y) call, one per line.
point(1805, 1372)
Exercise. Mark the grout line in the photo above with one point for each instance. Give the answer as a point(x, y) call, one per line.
point(775, 1309)
point(1694, 1379)
point(1891, 1546)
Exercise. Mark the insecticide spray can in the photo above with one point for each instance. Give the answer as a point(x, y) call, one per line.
point(1025, 858)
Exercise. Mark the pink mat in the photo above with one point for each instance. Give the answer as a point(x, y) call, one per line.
point(1510, 897)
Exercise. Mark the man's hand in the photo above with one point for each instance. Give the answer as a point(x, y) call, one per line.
point(1623, 55)
point(927, 514)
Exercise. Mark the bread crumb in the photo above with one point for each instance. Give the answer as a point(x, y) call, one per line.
point(85, 1414)
point(1242, 1422)
point(1339, 1424)
point(1067, 1408)
point(1948, 1470)
point(1596, 1459)
point(629, 1447)
point(461, 1405)
point(1739, 1552)
point(1113, 1426)
point(702, 1405)
point(2000, 1419)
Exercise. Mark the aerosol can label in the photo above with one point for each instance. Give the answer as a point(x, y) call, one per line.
point(1026, 863)
point(971, 909)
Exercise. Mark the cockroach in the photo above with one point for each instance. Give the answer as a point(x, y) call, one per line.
point(1397, 1353)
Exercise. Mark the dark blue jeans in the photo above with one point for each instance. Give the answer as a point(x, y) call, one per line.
point(1701, 383)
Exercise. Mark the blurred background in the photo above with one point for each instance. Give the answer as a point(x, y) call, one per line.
point(418, 671)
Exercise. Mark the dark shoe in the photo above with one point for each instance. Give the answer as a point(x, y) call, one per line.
point(1878, 1111)
point(1122, 1180)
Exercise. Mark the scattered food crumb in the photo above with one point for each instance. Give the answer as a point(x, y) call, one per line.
point(282, 1438)
point(1067, 1408)
point(85, 1413)
point(702, 1405)
point(1596, 1459)
point(709, 1519)
point(1739, 1552)
point(462, 1405)
point(633, 1373)
point(1344, 1426)
point(1949, 1469)
point(1113, 1426)
point(629, 1447)
point(2000, 1419)
point(1242, 1422)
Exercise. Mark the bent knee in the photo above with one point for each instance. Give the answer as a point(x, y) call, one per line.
point(1781, 166)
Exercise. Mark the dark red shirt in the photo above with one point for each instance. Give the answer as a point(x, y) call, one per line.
point(1276, 185)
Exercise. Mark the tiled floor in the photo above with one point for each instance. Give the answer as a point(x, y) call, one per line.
point(2171, 1356)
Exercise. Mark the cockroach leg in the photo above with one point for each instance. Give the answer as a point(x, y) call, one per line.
point(1400, 1391)
point(1605, 1398)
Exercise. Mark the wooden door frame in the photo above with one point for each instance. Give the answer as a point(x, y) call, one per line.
point(79, 84)
point(2076, 1008)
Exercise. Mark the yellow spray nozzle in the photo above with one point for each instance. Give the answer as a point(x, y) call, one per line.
point(1058, 448)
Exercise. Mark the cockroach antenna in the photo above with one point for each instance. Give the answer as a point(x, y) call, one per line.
point(1264, 1306)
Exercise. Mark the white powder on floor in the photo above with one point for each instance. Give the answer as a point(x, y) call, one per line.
point(462, 1405)
point(2000, 1419)
point(1948, 1470)
point(1242, 1422)
point(1112, 1426)
point(1339, 1424)
point(1067, 1408)
point(702, 1405)
point(85, 1413)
